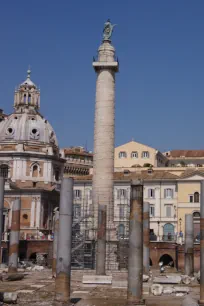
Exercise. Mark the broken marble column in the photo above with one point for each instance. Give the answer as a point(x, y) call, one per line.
point(135, 254)
point(63, 269)
point(14, 237)
point(146, 238)
point(189, 245)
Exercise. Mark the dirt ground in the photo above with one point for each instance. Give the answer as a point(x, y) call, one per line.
point(37, 289)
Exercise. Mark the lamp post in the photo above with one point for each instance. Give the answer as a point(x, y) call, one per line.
point(180, 220)
point(158, 222)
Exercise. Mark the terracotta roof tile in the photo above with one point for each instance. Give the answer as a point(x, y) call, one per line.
point(187, 153)
point(143, 175)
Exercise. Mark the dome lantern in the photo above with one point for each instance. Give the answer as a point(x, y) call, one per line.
point(27, 95)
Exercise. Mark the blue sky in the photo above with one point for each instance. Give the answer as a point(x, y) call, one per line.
point(159, 89)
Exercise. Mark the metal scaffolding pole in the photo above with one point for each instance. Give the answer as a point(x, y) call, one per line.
point(63, 270)
point(14, 237)
point(189, 245)
point(135, 256)
point(146, 238)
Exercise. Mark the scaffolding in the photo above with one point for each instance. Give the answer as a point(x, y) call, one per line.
point(84, 231)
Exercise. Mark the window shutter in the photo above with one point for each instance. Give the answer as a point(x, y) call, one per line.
point(165, 193)
point(149, 193)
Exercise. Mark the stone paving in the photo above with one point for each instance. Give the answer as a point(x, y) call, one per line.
point(37, 289)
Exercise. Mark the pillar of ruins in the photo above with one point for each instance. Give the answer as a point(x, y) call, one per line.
point(55, 242)
point(189, 245)
point(14, 237)
point(63, 268)
point(135, 255)
point(103, 159)
point(146, 238)
point(202, 245)
point(2, 182)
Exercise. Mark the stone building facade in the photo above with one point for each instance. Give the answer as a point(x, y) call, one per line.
point(30, 162)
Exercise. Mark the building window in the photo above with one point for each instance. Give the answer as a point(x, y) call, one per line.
point(24, 98)
point(191, 198)
point(4, 171)
point(196, 197)
point(168, 211)
point(77, 194)
point(151, 193)
point(25, 216)
point(29, 98)
point(152, 211)
point(121, 211)
point(57, 174)
point(77, 210)
point(121, 193)
point(121, 231)
point(168, 193)
point(90, 194)
point(122, 154)
point(35, 171)
point(145, 154)
point(134, 154)
point(196, 214)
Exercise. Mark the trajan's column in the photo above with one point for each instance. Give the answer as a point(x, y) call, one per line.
point(104, 135)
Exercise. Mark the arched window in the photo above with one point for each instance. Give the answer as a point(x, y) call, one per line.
point(196, 214)
point(35, 171)
point(168, 232)
point(24, 98)
point(121, 231)
point(196, 197)
point(4, 171)
point(134, 154)
point(29, 98)
point(122, 154)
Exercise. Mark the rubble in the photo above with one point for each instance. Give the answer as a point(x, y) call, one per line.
point(10, 297)
point(14, 277)
point(185, 279)
point(145, 278)
point(157, 289)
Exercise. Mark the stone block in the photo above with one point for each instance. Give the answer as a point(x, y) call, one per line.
point(97, 279)
point(181, 289)
point(167, 280)
point(168, 290)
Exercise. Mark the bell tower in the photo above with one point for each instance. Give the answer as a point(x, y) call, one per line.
point(27, 96)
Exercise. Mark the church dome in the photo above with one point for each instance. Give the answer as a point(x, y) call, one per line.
point(30, 127)
point(26, 123)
